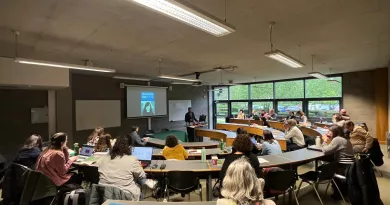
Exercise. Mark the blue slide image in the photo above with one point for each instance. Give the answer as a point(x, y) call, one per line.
point(147, 103)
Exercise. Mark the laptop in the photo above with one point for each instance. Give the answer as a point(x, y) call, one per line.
point(144, 155)
point(86, 151)
point(254, 140)
point(315, 148)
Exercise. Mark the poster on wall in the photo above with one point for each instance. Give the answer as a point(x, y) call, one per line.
point(39, 115)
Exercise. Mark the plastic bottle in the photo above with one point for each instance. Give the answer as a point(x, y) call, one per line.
point(203, 154)
point(318, 141)
point(222, 145)
point(76, 149)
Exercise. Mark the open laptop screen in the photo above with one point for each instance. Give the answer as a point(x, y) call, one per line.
point(86, 151)
point(143, 153)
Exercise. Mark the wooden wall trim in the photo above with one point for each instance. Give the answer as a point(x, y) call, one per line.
point(381, 103)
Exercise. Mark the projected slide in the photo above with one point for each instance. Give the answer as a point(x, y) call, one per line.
point(147, 103)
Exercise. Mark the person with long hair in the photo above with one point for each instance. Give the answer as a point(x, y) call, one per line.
point(104, 143)
point(241, 114)
point(122, 170)
point(241, 186)
point(174, 150)
point(55, 162)
point(302, 117)
point(270, 145)
point(242, 147)
point(335, 142)
point(94, 137)
point(148, 109)
point(30, 151)
point(294, 136)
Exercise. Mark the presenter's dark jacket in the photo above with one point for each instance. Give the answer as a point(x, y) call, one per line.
point(136, 140)
point(190, 117)
point(230, 159)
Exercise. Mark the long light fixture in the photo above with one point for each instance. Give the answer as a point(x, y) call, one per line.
point(189, 15)
point(316, 74)
point(281, 56)
point(63, 65)
point(178, 78)
point(130, 78)
point(284, 58)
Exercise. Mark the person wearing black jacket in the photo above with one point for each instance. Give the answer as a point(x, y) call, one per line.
point(190, 116)
point(242, 146)
point(29, 152)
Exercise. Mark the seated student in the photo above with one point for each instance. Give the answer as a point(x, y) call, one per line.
point(291, 115)
point(122, 170)
point(174, 150)
point(334, 142)
point(134, 139)
point(242, 147)
point(29, 152)
point(240, 131)
point(104, 143)
point(341, 118)
point(302, 116)
point(55, 162)
point(265, 123)
point(294, 136)
point(241, 114)
point(360, 138)
point(272, 115)
point(242, 186)
point(270, 145)
point(94, 137)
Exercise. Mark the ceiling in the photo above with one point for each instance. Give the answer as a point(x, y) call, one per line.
point(348, 35)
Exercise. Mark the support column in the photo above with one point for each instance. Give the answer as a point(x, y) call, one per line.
point(381, 103)
point(51, 101)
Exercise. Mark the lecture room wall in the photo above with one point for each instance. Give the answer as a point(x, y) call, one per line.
point(88, 87)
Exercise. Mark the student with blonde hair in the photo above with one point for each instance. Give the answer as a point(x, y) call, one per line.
point(241, 185)
point(294, 136)
point(94, 137)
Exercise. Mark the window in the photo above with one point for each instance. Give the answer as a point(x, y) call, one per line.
point(321, 88)
point(237, 106)
point(220, 93)
point(222, 109)
point(258, 106)
point(286, 106)
point(289, 89)
point(239, 92)
point(323, 108)
point(262, 91)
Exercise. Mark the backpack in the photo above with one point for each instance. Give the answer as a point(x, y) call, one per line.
point(76, 197)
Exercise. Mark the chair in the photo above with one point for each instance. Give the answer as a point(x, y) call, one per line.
point(324, 176)
point(281, 182)
point(182, 182)
point(90, 174)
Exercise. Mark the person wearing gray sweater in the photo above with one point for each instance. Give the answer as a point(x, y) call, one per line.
point(336, 143)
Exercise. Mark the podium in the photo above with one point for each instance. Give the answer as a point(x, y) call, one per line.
point(191, 133)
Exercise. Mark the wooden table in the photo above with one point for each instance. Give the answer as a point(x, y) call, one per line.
point(278, 135)
point(187, 145)
point(157, 153)
point(245, 121)
point(206, 170)
point(323, 124)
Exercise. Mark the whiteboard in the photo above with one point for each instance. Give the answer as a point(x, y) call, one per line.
point(178, 109)
point(97, 113)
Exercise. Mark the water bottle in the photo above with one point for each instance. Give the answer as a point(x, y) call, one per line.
point(318, 141)
point(76, 149)
point(203, 154)
point(222, 145)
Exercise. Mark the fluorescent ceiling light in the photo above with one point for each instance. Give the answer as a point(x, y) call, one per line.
point(190, 16)
point(332, 80)
point(318, 75)
point(131, 78)
point(62, 65)
point(178, 78)
point(181, 83)
point(284, 58)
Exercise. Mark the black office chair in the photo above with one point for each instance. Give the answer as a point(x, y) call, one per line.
point(183, 182)
point(281, 182)
point(324, 176)
point(90, 174)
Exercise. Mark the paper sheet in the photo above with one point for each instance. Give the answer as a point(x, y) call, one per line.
point(261, 160)
point(194, 151)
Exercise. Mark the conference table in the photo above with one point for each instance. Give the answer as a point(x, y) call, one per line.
point(196, 153)
point(323, 124)
point(123, 202)
point(206, 170)
point(245, 121)
point(187, 145)
point(251, 129)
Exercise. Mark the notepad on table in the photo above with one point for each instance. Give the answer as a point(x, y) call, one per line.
point(261, 160)
point(194, 151)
